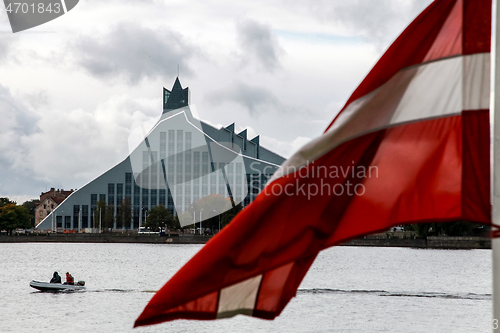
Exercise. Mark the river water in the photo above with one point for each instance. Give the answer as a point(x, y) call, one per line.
point(348, 289)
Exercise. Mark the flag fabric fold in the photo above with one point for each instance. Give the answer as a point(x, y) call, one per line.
point(411, 145)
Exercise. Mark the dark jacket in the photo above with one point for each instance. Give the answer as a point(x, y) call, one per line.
point(56, 278)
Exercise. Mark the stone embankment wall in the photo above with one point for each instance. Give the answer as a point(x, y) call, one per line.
point(430, 242)
point(105, 238)
point(442, 242)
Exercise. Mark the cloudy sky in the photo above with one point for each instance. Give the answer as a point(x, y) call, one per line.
point(73, 89)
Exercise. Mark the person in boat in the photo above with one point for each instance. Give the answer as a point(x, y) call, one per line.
point(69, 279)
point(56, 278)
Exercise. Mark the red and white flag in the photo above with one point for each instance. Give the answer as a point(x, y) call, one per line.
point(411, 145)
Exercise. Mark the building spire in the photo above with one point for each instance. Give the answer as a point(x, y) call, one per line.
point(175, 98)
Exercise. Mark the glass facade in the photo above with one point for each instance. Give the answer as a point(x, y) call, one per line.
point(76, 216)
point(85, 216)
point(119, 194)
point(128, 185)
point(111, 194)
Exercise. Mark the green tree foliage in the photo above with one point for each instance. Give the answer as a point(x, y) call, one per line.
point(422, 229)
point(459, 228)
point(30, 205)
point(124, 214)
point(109, 218)
point(100, 213)
point(229, 215)
point(160, 217)
point(6, 201)
point(13, 216)
point(186, 216)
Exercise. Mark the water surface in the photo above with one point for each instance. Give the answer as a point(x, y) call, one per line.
point(348, 289)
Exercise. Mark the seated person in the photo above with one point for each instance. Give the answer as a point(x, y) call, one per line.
point(56, 278)
point(69, 279)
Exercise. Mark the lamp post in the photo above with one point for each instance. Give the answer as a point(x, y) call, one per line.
point(201, 226)
point(145, 215)
point(219, 218)
point(194, 221)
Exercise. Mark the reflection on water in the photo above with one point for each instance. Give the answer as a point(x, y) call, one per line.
point(348, 289)
point(484, 297)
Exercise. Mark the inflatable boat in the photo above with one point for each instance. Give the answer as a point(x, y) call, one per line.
point(46, 286)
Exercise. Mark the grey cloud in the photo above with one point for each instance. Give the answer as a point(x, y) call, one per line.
point(4, 49)
point(17, 117)
point(39, 98)
point(17, 125)
point(258, 43)
point(379, 21)
point(254, 99)
point(134, 52)
point(6, 45)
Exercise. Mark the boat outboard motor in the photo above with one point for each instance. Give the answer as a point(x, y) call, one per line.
point(81, 283)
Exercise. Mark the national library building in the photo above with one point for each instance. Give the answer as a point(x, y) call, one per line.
point(178, 162)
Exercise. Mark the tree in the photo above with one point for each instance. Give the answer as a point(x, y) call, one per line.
point(109, 218)
point(185, 216)
point(229, 215)
point(458, 228)
point(160, 217)
point(6, 201)
point(31, 205)
point(124, 214)
point(421, 230)
point(100, 213)
point(210, 207)
point(13, 216)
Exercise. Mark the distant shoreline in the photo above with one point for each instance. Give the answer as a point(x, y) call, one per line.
point(105, 238)
point(431, 242)
point(441, 242)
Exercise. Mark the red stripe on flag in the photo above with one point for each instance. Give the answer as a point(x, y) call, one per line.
point(420, 178)
point(476, 166)
point(279, 287)
point(477, 26)
point(271, 290)
point(449, 40)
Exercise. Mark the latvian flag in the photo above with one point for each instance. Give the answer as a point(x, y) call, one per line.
point(411, 145)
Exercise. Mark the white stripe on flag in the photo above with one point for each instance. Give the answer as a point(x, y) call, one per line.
point(408, 96)
point(477, 82)
point(239, 298)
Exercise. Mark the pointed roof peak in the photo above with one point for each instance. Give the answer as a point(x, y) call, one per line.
point(177, 84)
point(243, 133)
point(230, 127)
point(175, 98)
